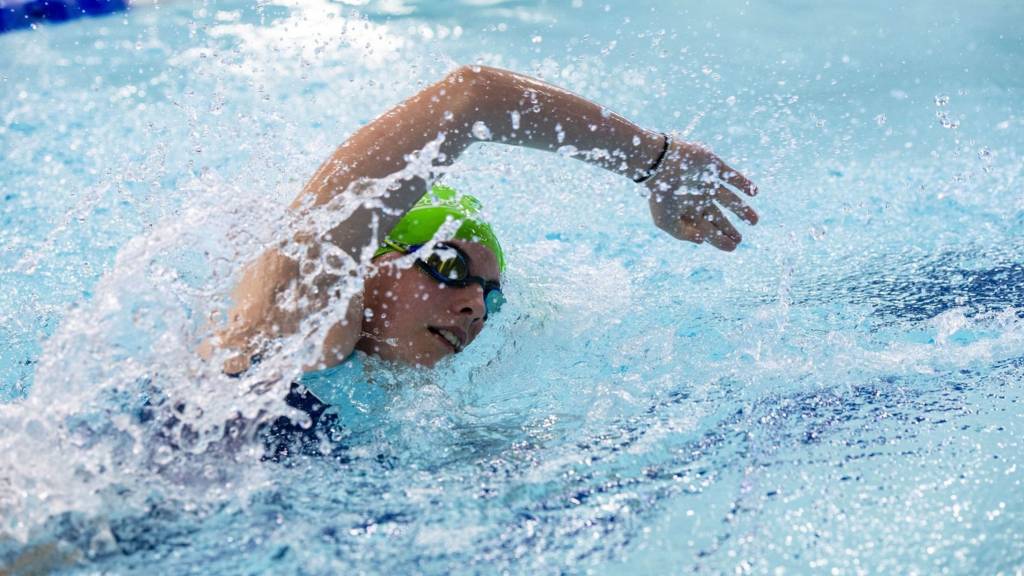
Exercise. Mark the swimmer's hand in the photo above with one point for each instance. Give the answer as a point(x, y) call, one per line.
point(689, 191)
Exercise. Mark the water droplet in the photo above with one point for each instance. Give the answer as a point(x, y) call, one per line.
point(985, 155)
point(481, 131)
point(946, 121)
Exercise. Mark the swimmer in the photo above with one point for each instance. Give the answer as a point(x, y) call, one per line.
point(423, 297)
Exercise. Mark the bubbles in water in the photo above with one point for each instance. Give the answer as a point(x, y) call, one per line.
point(946, 121)
point(985, 155)
point(481, 131)
point(880, 120)
point(941, 100)
point(515, 119)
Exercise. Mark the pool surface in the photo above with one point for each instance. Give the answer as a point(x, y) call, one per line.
point(842, 395)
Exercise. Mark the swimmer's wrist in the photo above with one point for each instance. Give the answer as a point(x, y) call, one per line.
point(647, 146)
point(658, 161)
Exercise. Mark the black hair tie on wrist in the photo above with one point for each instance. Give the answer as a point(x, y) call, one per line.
point(657, 163)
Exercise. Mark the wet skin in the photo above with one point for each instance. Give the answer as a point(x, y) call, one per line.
point(411, 318)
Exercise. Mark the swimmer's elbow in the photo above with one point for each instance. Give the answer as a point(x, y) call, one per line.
point(464, 74)
point(468, 81)
point(476, 74)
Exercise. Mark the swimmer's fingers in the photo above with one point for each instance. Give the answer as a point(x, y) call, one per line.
point(718, 231)
point(734, 203)
point(694, 218)
point(734, 178)
point(685, 226)
point(708, 224)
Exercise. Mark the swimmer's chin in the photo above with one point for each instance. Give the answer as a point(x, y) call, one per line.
point(425, 362)
point(392, 356)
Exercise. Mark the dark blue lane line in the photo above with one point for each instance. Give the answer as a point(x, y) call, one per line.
point(18, 14)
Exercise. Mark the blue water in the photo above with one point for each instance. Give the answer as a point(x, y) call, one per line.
point(840, 395)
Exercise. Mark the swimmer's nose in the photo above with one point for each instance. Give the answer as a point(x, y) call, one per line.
point(471, 303)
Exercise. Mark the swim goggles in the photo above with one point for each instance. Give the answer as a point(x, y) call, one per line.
point(449, 265)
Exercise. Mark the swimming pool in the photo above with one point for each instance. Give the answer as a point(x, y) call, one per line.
point(842, 394)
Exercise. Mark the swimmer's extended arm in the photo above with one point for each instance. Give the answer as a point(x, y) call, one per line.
point(687, 183)
point(470, 105)
point(478, 103)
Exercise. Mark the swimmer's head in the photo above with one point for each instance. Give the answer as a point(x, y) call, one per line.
point(416, 314)
point(437, 207)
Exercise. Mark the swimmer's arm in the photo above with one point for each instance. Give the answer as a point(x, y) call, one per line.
point(686, 190)
point(514, 109)
point(258, 316)
point(518, 110)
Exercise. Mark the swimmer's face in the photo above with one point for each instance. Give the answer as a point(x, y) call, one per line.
point(414, 319)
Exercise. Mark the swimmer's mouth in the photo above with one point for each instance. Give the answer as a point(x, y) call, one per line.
point(453, 337)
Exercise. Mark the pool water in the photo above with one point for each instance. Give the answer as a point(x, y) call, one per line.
point(843, 394)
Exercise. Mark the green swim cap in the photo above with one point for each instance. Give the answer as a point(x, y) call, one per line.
point(427, 216)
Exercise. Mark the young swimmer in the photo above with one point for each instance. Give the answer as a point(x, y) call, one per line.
point(419, 303)
point(419, 313)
